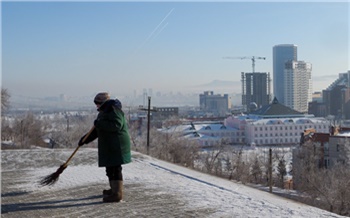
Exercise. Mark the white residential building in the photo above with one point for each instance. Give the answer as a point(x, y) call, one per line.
point(297, 85)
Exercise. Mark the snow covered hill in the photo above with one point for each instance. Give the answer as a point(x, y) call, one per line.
point(193, 189)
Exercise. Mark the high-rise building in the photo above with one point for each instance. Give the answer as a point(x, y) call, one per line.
point(217, 104)
point(337, 97)
point(281, 54)
point(297, 85)
point(256, 89)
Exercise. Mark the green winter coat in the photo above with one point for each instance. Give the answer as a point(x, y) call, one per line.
point(113, 136)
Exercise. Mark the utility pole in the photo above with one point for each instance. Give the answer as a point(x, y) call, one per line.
point(148, 121)
point(270, 169)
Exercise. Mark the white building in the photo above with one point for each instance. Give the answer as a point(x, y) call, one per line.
point(274, 124)
point(205, 133)
point(297, 85)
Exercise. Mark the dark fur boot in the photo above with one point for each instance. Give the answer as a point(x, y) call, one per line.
point(117, 191)
point(107, 192)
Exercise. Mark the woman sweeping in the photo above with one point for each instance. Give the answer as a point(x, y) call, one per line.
point(113, 143)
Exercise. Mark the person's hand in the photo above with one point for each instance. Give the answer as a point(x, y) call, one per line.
point(80, 143)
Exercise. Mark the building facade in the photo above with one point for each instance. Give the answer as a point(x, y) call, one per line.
point(337, 97)
point(271, 125)
point(256, 89)
point(331, 148)
point(275, 124)
point(216, 104)
point(281, 54)
point(297, 85)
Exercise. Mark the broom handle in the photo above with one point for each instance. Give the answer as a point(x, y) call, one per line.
point(75, 151)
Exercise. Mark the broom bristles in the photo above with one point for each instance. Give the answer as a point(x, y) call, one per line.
point(52, 178)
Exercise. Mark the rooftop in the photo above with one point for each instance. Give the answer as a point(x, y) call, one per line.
point(276, 109)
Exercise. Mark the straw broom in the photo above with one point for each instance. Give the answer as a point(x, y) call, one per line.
point(52, 178)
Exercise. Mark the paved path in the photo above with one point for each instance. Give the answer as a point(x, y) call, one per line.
point(152, 188)
point(84, 201)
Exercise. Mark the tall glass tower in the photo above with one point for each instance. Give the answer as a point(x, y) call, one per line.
point(281, 54)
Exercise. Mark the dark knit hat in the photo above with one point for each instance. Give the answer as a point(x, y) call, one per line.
point(101, 97)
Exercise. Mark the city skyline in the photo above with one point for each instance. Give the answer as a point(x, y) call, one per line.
point(80, 48)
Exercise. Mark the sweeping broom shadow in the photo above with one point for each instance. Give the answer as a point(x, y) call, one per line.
point(52, 178)
point(49, 205)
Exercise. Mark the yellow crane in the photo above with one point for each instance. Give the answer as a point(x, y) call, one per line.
point(251, 58)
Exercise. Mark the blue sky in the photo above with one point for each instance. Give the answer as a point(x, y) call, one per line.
point(80, 48)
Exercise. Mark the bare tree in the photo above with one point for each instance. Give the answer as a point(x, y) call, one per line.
point(28, 131)
point(7, 133)
point(212, 155)
point(5, 99)
point(235, 167)
point(69, 129)
point(281, 168)
point(256, 170)
point(167, 145)
point(327, 188)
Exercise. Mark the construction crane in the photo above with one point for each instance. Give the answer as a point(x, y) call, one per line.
point(251, 58)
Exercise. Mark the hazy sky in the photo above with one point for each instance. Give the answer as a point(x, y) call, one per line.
point(80, 48)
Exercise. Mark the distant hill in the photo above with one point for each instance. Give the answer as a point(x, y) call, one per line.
point(220, 87)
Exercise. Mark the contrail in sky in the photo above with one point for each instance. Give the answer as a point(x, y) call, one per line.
point(157, 27)
point(163, 27)
point(159, 24)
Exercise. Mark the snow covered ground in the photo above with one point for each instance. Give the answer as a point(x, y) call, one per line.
point(196, 189)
